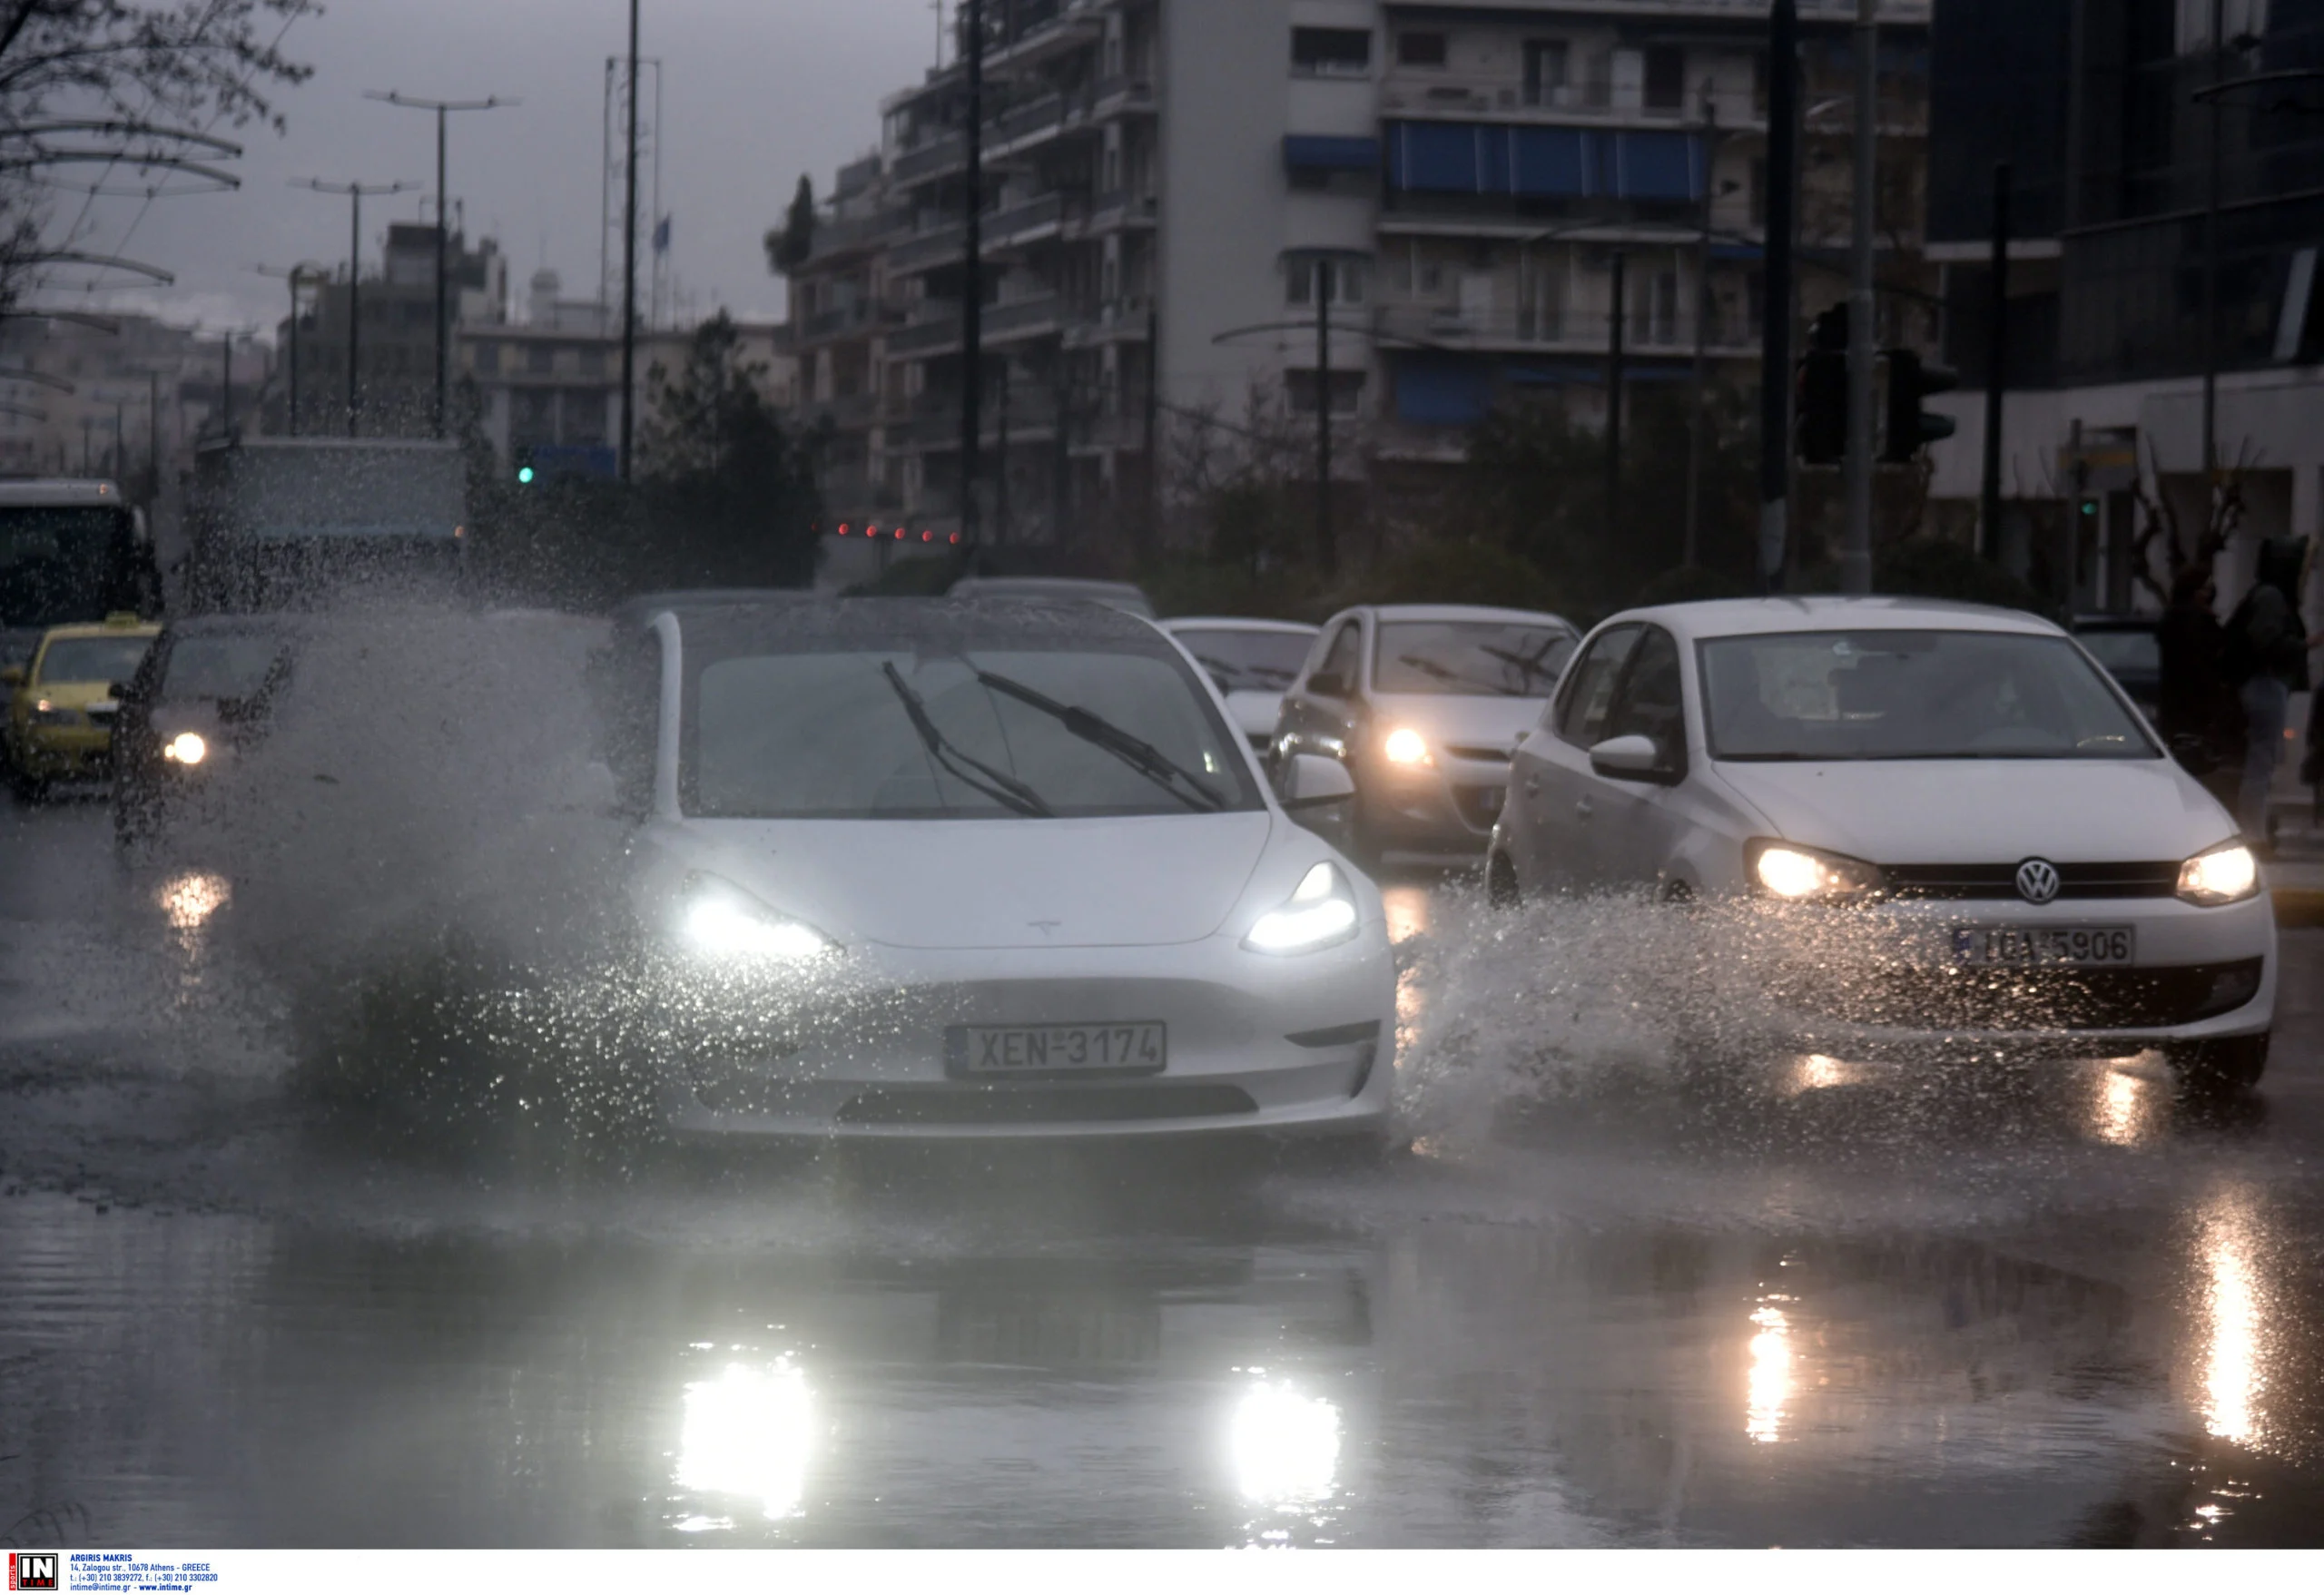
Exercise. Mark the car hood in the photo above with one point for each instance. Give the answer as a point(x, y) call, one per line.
point(75, 695)
point(992, 883)
point(1255, 713)
point(1494, 722)
point(1986, 811)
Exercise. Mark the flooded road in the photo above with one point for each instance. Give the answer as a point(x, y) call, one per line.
point(1995, 1307)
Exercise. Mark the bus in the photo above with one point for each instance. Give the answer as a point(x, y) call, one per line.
point(69, 551)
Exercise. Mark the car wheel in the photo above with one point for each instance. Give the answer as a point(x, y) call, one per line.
point(2221, 1070)
point(1502, 891)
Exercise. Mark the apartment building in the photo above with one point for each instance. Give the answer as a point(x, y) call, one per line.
point(396, 346)
point(1192, 205)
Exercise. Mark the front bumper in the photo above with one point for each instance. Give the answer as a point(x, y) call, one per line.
point(1449, 806)
point(1256, 1045)
point(64, 753)
point(2200, 974)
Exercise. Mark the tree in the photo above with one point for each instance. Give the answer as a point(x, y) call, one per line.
point(789, 245)
point(86, 83)
point(732, 497)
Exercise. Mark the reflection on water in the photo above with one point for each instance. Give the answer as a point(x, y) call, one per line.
point(1408, 912)
point(189, 899)
point(1408, 909)
point(1285, 1447)
point(2235, 1329)
point(1771, 1376)
point(747, 1433)
point(2126, 1107)
point(1815, 1072)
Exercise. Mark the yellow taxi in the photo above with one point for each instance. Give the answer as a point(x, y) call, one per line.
point(60, 706)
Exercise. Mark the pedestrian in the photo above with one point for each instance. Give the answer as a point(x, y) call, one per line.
point(2197, 712)
point(2267, 660)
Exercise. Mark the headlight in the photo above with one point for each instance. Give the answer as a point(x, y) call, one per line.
point(1322, 913)
point(720, 921)
point(1808, 874)
point(2223, 875)
point(1406, 746)
point(185, 748)
point(47, 714)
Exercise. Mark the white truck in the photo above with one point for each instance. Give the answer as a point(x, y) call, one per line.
point(287, 522)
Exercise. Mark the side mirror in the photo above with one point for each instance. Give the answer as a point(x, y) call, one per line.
point(1327, 684)
point(1628, 758)
point(14, 675)
point(1314, 782)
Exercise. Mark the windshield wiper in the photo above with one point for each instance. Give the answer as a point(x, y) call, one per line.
point(1431, 667)
point(1531, 666)
point(1002, 788)
point(1141, 756)
point(1268, 680)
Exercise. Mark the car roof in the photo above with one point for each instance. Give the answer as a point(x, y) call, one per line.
point(92, 628)
point(1044, 583)
point(1458, 612)
point(1239, 622)
point(1722, 617)
point(2117, 621)
point(945, 623)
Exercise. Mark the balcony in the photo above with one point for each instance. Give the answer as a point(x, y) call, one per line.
point(1407, 327)
point(1509, 99)
point(939, 155)
point(844, 320)
point(838, 237)
point(934, 246)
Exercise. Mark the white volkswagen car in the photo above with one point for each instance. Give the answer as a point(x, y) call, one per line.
point(2029, 864)
point(928, 868)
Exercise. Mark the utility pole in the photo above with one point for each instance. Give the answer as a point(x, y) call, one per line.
point(1327, 553)
point(1996, 365)
point(2211, 267)
point(442, 108)
point(1153, 534)
point(629, 262)
point(354, 193)
point(295, 276)
point(1614, 330)
point(1697, 442)
point(153, 434)
point(973, 279)
point(226, 386)
point(1855, 551)
point(1000, 476)
point(1775, 330)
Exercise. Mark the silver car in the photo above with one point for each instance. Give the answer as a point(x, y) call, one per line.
point(1126, 596)
point(1252, 661)
point(1425, 703)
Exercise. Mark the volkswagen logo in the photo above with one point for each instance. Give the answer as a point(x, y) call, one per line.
point(2037, 880)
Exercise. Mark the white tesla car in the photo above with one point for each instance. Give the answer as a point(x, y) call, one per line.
point(928, 868)
point(2028, 863)
point(1253, 661)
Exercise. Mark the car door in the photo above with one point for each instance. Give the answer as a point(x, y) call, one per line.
point(1324, 721)
point(1553, 838)
point(1640, 822)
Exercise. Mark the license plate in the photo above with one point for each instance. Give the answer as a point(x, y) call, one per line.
point(2017, 946)
point(987, 1051)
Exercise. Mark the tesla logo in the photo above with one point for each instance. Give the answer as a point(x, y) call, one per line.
point(2037, 880)
point(1046, 927)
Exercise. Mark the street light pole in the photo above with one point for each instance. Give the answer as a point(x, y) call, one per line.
point(2211, 266)
point(442, 108)
point(972, 278)
point(354, 193)
point(1614, 393)
point(1697, 443)
point(1776, 314)
point(1856, 552)
point(1327, 553)
point(629, 264)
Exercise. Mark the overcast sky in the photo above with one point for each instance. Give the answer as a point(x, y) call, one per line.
point(759, 90)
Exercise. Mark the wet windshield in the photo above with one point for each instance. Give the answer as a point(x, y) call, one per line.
point(1469, 659)
point(94, 658)
point(1249, 660)
point(58, 565)
point(220, 666)
point(1911, 694)
point(836, 737)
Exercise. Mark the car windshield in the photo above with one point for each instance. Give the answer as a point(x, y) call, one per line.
point(2125, 653)
point(1469, 658)
point(94, 658)
point(57, 565)
point(903, 732)
point(1911, 694)
point(1249, 660)
point(220, 666)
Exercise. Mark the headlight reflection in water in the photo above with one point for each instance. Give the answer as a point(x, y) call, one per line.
point(1770, 1384)
point(2235, 1376)
point(1285, 1446)
point(189, 899)
point(748, 1433)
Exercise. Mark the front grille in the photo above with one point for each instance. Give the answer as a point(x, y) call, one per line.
point(1969, 883)
point(1482, 756)
point(1044, 1104)
point(2019, 999)
point(1479, 805)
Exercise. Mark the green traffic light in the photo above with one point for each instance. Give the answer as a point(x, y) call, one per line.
point(2090, 506)
point(524, 473)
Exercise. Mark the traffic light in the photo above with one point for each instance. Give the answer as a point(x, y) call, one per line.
point(526, 472)
point(1910, 428)
point(1823, 395)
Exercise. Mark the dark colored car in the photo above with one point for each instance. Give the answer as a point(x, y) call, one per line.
point(2127, 647)
point(200, 700)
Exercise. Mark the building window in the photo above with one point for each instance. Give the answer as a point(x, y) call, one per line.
point(1347, 392)
point(1666, 77)
point(593, 359)
point(1545, 61)
point(1330, 52)
point(488, 359)
point(540, 360)
point(1344, 280)
point(1420, 49)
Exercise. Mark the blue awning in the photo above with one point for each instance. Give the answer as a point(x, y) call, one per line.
point(1544, 162)
point(1304, 152)
point(1443, 393)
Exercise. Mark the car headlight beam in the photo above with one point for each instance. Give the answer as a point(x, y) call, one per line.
point(1406, 746)
point(2227, 874)
point(722, 923)
point(1794, 873)
point(185, 748)
point(1320, 913)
